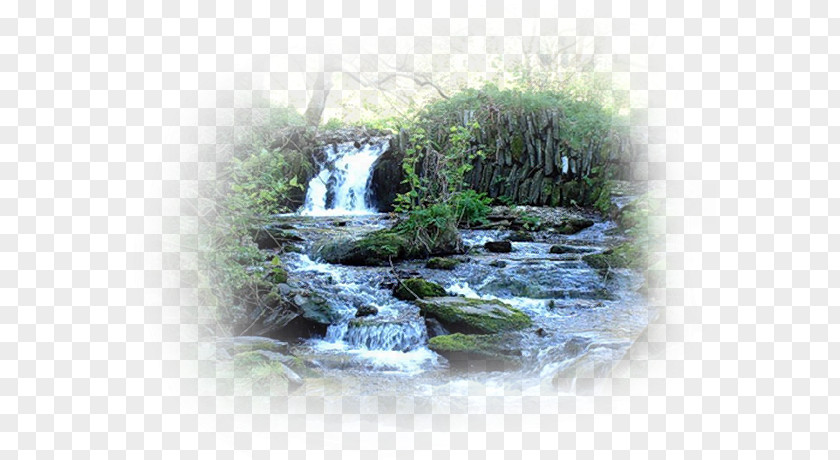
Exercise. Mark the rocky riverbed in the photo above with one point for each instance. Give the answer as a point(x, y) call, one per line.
point(532, 297)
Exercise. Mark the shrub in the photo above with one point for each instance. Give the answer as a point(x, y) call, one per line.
point(471, 207)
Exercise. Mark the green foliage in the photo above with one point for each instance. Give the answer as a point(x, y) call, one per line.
point(530, 222)
point(432, 219)
point(471, 208)
point(235, 276)
point(259, 183)
point(333, 124)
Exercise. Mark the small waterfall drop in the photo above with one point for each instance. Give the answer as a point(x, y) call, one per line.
point(341, 186)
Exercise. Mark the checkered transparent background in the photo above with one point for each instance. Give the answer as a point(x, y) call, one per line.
point(110, 114)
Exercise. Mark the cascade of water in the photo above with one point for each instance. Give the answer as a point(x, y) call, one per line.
point(341, 186)
point(387, 335)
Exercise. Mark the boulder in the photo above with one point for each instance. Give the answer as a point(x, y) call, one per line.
point(315, 308)
point(386, 180)
point(379, 247)
point(498, 246)
point(567, 249)
point(572, 226)
point(461, 349)
point(442, 263)
point(275, 236)
point(475, 316)
point(245, 362)
point(521, 236)
point(412, 288)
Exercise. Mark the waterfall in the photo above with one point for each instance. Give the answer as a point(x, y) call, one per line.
point(341, 186)
point(400, 335)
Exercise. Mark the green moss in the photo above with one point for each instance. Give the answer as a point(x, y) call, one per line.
point(603, 203)
point(489, 346)
point(406, 289)
point(424, 233)
point(383, 244)
point(442, 263)
point(249, 358)
point(278, 275)
point(462, 342)
point(626, 255)
point(475, 315)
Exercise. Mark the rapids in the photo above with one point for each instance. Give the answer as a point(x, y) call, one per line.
point(583, 320)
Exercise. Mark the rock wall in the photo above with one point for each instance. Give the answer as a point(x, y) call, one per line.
point(528, 159)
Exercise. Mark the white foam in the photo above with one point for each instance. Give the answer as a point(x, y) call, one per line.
point(347, 174)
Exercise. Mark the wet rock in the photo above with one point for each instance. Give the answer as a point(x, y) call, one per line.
point(568, 249)
point(521, 236)
point(386, 179)
point(434, 328)
point(366, 310)
point(477, 316)
point(498, 264)
point(403, 273)
point(498, 246)
point(572, 226)
point(466, 349)
point(384, 246)
point(442, 263)
point(315, 308)
point(413, 288)
point(244, 362)
point(275, 236)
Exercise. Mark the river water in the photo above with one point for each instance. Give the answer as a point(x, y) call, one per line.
point(583, 321)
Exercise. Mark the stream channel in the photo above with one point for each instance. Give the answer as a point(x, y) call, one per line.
point(581, 318)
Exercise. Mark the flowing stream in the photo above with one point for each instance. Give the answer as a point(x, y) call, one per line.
point(582, 319)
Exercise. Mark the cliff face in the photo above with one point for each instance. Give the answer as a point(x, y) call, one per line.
point(529, 159)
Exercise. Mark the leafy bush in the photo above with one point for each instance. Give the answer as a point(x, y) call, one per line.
point(471, 207)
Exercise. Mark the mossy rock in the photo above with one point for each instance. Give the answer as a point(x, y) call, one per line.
point(521, 236)
point(275, 236)
point(626, 255)
point(373, 249)
point(475, 316)
point(469, 347)
point(406, 289)
point(568, 249)
point(389, 245)
point(442, 263)
point(257, 357)
point(315, 308)
point(265, 365)
point(572, 226)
